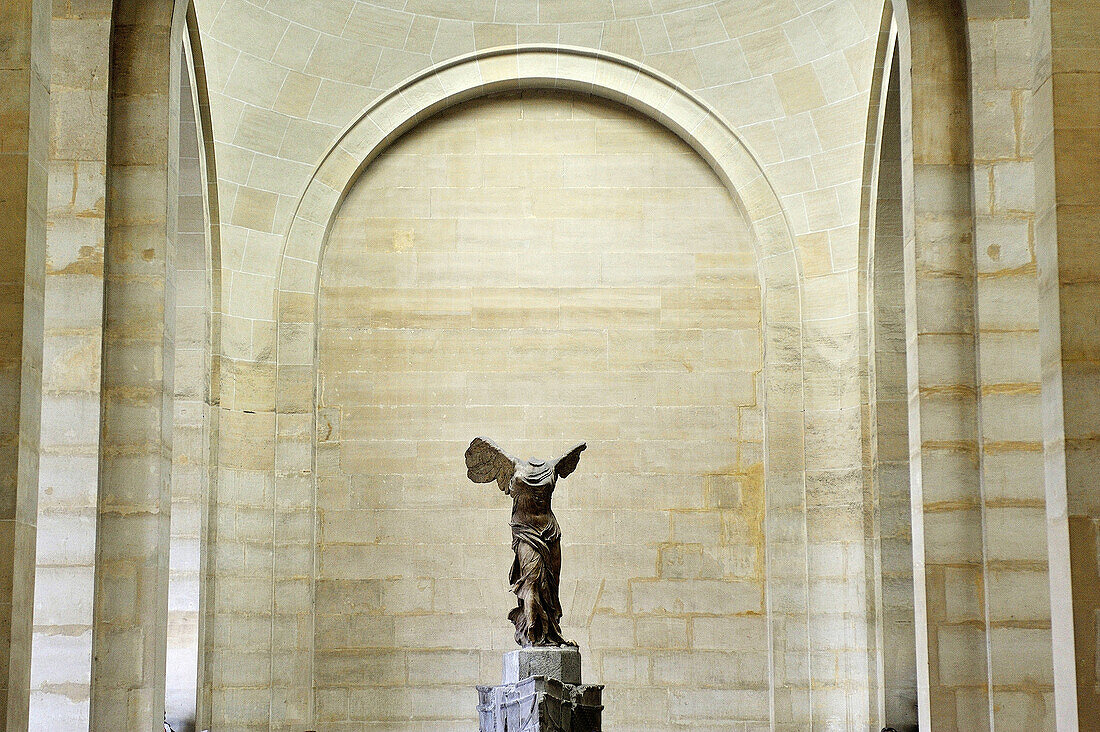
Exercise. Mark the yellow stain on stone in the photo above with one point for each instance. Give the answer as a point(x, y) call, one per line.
point(89, 261)
point(1021, 388)
point(752, 511)
point(403, 240)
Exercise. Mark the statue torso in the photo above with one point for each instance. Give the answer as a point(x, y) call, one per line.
point(531, 489)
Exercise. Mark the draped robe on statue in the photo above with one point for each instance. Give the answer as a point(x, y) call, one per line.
point(536, 537)
point(536, 570)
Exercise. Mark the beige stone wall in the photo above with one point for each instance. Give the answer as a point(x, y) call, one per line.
point(1018, 369)
point(130, 611)
point(994, 637)
point(540, 268)
point(943, 432)
point(1076, 43)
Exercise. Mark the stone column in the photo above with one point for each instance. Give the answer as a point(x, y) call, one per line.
point(943, 429)
point(1075, 28)
point(131, 582)
point(24, 130)
point(1027, 604)
point(61, 648)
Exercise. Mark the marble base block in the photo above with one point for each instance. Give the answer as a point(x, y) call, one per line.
point(541, 691)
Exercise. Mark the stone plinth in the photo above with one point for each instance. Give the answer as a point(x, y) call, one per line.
point(560, 664)
point(541, 691)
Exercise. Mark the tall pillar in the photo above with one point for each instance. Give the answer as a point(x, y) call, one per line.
point(1027, 603)
point(889, 453)
point(24, 132)
point(131, 573)
point(1075, 28)
point(61, 647)
point(948, 569)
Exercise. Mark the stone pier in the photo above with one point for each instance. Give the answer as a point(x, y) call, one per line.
point(541, 691)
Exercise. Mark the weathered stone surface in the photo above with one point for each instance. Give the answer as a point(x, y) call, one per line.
point(539, 704)
point(541, 691)
point(495, 272)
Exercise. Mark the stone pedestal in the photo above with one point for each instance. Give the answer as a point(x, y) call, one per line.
point(541, 691)
point(560, 664)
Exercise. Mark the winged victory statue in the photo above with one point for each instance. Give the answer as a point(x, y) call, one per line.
point(536, 537)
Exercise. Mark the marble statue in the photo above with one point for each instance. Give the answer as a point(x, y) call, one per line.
point(536, 538)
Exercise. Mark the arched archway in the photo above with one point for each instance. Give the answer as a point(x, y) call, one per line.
point(886, 467)
point(195, 270)
point(542, 267)
point(651, 94)
point(918, 258)
point(986, 447)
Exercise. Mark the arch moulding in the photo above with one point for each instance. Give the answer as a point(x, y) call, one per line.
point(656, 96)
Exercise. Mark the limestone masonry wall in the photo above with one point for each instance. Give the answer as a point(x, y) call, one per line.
point(540, 268)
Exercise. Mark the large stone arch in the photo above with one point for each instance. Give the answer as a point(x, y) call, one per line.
point(655, 96)
point(196, 275)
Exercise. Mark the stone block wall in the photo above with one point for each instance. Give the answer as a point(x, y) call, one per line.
point(943, 430)
point(540, 268)
point(792, 78)
point(1017, 363)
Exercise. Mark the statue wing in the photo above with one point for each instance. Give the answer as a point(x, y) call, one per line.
point(567, 463)
point(485, 462)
